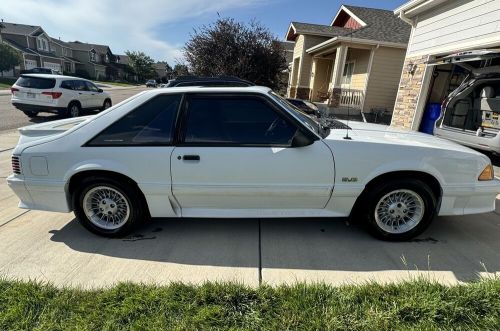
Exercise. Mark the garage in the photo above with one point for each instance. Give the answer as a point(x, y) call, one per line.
point(52, 65)
point(29, 64)
point(448, 39)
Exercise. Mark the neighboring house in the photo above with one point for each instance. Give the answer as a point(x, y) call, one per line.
point(161, 70)
point(64, 50)
point(34, 44)
point(439, 28)
point(355, 61)
point(122, 63)
point(94, 59)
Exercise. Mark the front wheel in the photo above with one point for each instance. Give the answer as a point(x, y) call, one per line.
point(107, 207)
point(106, 105)
point(400, 209)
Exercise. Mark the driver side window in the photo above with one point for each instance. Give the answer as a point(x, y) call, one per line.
point(236, 120)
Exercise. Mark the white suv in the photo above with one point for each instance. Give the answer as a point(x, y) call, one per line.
point(34, 93)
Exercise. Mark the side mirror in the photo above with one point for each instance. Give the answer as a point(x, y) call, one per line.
point(301, 140)
point(100, 90)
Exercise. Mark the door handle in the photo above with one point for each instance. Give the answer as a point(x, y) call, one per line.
point(191, 158)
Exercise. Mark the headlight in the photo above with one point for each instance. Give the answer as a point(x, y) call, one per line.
point(487, 174)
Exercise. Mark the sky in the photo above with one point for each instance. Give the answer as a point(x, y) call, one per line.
point(161, 27)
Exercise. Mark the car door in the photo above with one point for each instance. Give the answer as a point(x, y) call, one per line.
point(235, 158)
point(82, 93)
point(96, 99)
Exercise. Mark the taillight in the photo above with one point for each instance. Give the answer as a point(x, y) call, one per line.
point(16, 164)
point(13, 89)
point(54, 95)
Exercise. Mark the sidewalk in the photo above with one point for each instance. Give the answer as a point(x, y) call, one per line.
point(54, 248)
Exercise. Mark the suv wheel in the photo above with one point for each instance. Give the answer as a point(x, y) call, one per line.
point(400, 209)
point(74, 110)
point(106, 105)
point(107, 207)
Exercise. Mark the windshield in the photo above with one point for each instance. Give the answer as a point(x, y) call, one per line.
point(309, 121)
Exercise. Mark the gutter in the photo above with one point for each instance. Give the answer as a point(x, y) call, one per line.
point(333, 41)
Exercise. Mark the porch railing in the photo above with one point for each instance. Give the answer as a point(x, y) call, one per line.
point(351, 98)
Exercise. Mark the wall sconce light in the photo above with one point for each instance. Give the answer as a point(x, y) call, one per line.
point(411, 67)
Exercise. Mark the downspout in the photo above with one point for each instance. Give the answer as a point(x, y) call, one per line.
point(403, 17)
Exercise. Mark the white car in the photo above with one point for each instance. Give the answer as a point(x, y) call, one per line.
point(35, 93)
point(242, 152)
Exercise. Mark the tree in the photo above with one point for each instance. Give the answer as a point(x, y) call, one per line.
point(227, 47)
point(9, 57)
point(142, 65)
point(180, 70)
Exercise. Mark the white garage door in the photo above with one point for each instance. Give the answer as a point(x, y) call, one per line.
point(29, 64)
point(53, 66)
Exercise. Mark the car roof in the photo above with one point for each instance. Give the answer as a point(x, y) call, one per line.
point(201, 89)
point(52, 76)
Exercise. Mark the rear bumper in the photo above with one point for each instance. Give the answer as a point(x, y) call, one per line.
point(38, 108)
point(39, 194)
point(461, 200)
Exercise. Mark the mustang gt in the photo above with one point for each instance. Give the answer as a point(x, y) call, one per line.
point(242, 152)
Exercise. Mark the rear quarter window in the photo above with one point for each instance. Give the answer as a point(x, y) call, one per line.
point(36, 82)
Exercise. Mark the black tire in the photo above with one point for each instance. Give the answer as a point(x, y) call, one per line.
point(137, 209)
point(411, 186)
point(107, 104)
point(74, 110)
point(30, 114)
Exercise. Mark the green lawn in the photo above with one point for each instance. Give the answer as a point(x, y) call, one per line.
point(116, 83)
point(6, 83)
point(417, 305)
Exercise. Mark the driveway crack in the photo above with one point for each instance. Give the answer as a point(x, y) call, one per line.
point(15, 217)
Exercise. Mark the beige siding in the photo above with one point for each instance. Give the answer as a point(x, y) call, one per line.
point(361, 58)
point(302, 44)
point(457, 25)
point(384, 78)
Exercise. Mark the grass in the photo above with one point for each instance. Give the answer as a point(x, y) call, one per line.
point(6, 83)
point(116, 83)
point(417, 305)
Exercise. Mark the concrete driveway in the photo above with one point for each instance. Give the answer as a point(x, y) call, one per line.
point(54, 247)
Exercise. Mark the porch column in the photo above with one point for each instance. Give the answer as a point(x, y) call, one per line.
point(312, 81)
point(338, 70)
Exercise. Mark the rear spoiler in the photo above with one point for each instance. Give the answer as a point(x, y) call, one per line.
point(466, 56)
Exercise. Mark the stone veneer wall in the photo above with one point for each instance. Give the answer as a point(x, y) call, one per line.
point(409, 92)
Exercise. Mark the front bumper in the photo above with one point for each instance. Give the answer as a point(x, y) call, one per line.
point(39, 194)
point(465, 200)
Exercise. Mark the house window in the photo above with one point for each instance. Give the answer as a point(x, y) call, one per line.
point(107, 58)
point(42, 44)
point(65, 52)
point(92, 56)
point(347, 74)
point(67, 66)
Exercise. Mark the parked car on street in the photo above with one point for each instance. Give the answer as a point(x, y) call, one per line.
point(470, 115)
point(306, 106)
point(66, 95)
point(242, 153)
point(151, 83)
point(39, 70)
point(221, 81)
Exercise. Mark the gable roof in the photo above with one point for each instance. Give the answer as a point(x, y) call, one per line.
point(23, 29)
point(376, 25)
point(60, 42)
point(79, 46)
point(297, 28)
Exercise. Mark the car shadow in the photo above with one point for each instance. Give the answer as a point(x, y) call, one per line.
point(464, 246)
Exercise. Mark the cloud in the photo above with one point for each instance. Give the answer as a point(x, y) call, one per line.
point(123, 25)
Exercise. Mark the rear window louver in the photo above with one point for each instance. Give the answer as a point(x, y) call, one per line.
point(16, 164)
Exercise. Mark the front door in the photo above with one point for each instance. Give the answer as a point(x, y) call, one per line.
point(235, 159)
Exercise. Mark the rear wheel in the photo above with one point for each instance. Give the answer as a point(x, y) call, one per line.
point(74, 110)
point(399, 210)
point(108, 207)
point(30, 114)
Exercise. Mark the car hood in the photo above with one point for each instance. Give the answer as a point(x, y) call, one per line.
point(383, 134)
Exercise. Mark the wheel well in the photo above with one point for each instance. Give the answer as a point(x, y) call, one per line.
point(77, 178)
point(107, 99)
point(424, 177)
point(75, 101)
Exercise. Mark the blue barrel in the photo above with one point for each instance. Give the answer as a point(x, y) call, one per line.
point(431, 114)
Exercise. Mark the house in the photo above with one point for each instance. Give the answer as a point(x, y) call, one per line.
point(94, 60)
point(34, 44)
point(288, 48)
point(161, 71)
point(439, 28)
point(65, 52)
point(353, 62)
point(122, 63)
